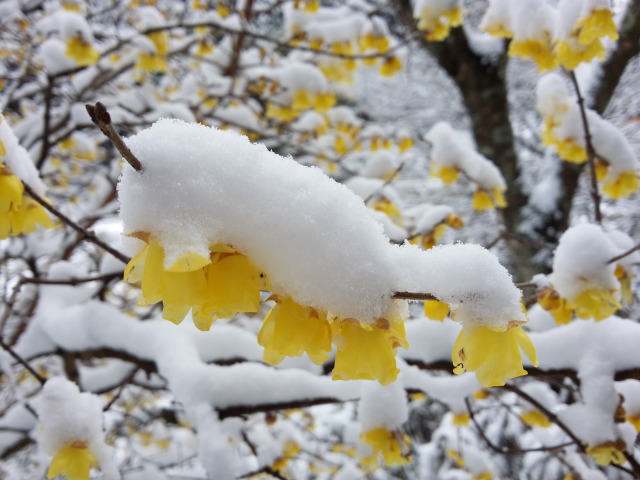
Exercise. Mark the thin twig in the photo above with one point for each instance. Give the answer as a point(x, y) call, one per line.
point(101, 118)
point(413, 296)
point(73, 281)
point(624, 254)
point(118, 394)
point(391, 178)
point(22, 362)
point(591, 154)
point(89, 236)
point(46, 129)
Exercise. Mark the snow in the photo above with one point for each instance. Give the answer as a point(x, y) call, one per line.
point(317, 241)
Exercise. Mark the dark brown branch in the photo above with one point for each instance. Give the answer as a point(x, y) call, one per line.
point(101, 118)
point(89, 236)
point(46, 128)
point(591, 153)
point(624, 254)
point(22, 362)
point(73, 281)
point(413, 296)
point(241, 410)
point(124, 383)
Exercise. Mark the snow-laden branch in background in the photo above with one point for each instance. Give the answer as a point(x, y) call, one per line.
point(216, 219)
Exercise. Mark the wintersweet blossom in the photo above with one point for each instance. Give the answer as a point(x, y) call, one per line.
point(82, 52)
point(436, 310)
point(494, 355)
point(392, 446)
point(19, 214)
point(609, 452)
point(436, 18)
point(535, 418)
point(74, 461)
point(290, 329)
point(460, 419)
point(367, 352)
point(222, 285)
point(622, 185)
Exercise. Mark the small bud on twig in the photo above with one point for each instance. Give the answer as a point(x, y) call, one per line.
point(101, 118)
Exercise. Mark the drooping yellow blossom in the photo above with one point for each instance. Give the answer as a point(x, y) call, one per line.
point(570, 52)
point(494, 355)
point(282, 113)
point(539, 50)
point(405, 144)
point(460, 419)
point(390, 66)
point(74, 461)
point(481, 394)
point(301, 100)
point(455, 456)
point(481, 200)
point(447, 174)
point(81, 52)
point(437, 25)
point(483, 476)
point(598, 24)
point(308, 6)
point(19, 214)
point(290, 329)
point(535, 418)
point(436, 310)
point(394, 447)
point(634, 420)
point(552, 302)
point(289, 451)
point(609, 452)
point(622, 186)
point(367, 352)
point(324, 101)
point(389, 208)
point(222, 285)
point(625, 280)
point(595, 303)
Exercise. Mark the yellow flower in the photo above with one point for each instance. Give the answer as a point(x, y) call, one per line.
point(540, 51)
point(436, 310)
point(324, 101)
point(394, 447)
point(447, 174)
point(11, 190)
point(460, 419)
point(622, 186)
point(83, 53)
point(438, 26)
point(290, 450)
point(365, 352)
point(597, 25)
point(595, 303)
point(481, 200)
point(454, 221)
point(456, 457)
point(634, 420)
point(301, 100)
point(570, 151)
point(290, 329)
point(494, 356)
point(483, 476)
point(405, 144)
point(150, 62)
point(534, 418)
point(550, 300)
point(25, 218)
point(608, 452)
point(390, 66)
point(625, 284)
point(570, 53)
point(233, 284)
point(222, 285)
point(74, 460)
point(389, 208)
point(284, 114)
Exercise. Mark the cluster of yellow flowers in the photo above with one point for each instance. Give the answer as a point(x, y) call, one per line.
point(436, 20)
point(482, 199)
point(582, 44)
point(430, 239)
point(19, 213)
point(392, 447)
point(228, 282)
point(591, 303)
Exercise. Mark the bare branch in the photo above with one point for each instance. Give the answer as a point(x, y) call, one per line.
point(101, 118)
